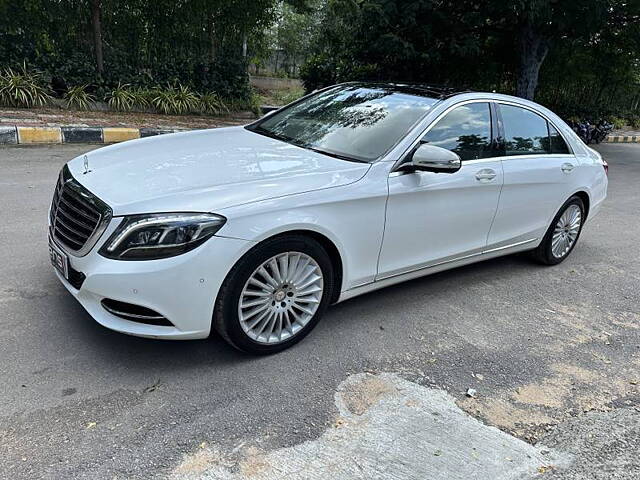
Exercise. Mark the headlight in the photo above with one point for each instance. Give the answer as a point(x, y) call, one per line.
point(162, 235)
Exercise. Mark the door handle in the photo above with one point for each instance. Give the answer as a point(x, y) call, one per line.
point(485, 175)
point(567, 167)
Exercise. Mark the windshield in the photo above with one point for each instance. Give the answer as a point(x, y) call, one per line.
point(353, 122)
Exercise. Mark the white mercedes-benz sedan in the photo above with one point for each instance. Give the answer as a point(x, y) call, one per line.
point(254, 231)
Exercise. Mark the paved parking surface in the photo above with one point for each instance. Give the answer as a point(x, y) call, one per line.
point(554, 354)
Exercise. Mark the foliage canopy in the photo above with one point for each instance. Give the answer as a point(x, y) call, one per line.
point(582, 56)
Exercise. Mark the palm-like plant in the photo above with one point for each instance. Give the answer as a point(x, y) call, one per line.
point(186, 100)
point(23, 88)
point(143, 96)
point(78, 97)
point(175, 100)
point(121, 98)
point(211, 103)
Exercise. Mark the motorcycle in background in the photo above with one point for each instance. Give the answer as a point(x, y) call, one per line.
point(590, 132)
point(601, 130)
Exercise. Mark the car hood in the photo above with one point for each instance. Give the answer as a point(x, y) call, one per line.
point(206, 170)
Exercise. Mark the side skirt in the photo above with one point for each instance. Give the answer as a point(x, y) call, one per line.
point(438, 267)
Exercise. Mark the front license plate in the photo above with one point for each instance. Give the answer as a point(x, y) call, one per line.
point(59, 259)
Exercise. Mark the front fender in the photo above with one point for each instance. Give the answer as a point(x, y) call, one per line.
point(351, 217)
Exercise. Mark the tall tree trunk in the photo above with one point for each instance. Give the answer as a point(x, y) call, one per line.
point(212, 37)
point(96, 13)
point(534, 47)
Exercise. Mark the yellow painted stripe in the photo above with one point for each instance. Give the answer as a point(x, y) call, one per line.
point(113, 135)
point(39, 135)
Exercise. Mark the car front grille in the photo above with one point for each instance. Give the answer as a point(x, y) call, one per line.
point(77, 217)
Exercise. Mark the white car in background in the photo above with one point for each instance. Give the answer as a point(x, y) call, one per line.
point(254, 231)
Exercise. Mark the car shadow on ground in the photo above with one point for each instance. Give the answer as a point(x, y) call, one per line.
point(117, 347)
point(442, 282)
point(170, 355)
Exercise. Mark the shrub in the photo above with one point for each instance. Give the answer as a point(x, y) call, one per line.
point(212, 104)
point(175, 100)
point(242, 104)
point(78, 97)
point(634, 121)
point(23, 88)
point(143, 97)
point(618, 122)
point(121, 98)
point(185, 100)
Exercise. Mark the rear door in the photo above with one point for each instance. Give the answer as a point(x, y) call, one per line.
point(538, 171)
point(433, 218)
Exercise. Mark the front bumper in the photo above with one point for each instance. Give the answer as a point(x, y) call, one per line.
point(183, 289)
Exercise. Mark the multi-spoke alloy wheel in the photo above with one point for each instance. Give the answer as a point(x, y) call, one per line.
point(566, 231)
point(280, 297)
point(562, 234)
point(275, 294)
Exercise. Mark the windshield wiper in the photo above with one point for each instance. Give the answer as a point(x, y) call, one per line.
point(270, 134)
point(334, 155)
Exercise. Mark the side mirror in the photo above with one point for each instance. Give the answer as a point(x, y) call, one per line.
point(434, 159)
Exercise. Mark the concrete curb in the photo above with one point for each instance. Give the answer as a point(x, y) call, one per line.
point(16, 135)
point(623, 139)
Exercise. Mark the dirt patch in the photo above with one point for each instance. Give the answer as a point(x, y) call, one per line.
point(359, 397)
point(567, 391)
point(518, 420)
point(552, 392)
point(196, 463)
point(585, 366)
point(254, 463)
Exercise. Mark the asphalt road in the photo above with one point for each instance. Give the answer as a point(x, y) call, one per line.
point(553, 352)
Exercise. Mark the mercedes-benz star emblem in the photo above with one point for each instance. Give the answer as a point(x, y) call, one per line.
point(86, 165)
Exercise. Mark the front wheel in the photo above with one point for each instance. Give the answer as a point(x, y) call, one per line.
point(274, 295)
point(563, 233)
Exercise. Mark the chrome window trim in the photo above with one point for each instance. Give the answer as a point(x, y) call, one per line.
point(426, 130)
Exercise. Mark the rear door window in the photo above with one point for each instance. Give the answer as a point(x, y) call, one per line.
point(527, 133)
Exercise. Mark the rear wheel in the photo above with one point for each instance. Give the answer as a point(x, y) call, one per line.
point(275, 295)
point(563, 233)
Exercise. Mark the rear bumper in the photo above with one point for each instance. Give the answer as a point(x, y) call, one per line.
point(183, 289)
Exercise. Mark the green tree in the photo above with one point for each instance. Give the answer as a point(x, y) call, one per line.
point(541, 23)
point(486, 44)
point(145, 43)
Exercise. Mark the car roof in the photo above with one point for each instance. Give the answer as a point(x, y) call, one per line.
point(439, 92)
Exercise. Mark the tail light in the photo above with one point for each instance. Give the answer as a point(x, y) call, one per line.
point(605, 165)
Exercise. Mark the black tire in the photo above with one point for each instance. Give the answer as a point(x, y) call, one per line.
point(543, 253)
point(225, 315)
